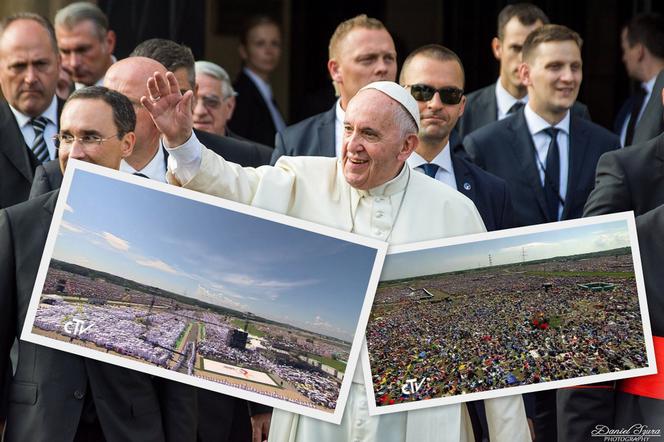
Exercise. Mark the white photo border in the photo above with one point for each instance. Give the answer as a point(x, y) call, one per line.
point(651, 368)
point(73, 166)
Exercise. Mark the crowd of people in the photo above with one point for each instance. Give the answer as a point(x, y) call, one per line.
point(485, 332)
point(520, 151)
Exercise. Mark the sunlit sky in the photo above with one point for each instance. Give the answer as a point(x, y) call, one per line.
point(561, 242)
point(216, 255)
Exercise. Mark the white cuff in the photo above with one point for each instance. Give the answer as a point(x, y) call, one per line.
point(184, 161)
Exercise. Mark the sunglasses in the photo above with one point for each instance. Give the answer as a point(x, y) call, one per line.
point(448, 95)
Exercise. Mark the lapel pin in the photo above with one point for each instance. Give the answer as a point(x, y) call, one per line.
point(466, 186)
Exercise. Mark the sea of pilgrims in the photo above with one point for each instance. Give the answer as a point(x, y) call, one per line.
point(502, 328)
point(148, 327)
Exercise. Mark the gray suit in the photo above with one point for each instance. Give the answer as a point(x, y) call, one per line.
point(50, 393)
point(482, 109)
point(311, 137)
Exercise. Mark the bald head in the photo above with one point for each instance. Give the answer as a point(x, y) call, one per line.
point(129, 77)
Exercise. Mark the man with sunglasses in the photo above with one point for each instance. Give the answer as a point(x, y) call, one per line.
point(435, 78)
point(56, 395)
point(545, 153)
point(361, 51)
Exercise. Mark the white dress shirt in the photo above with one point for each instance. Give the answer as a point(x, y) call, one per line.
point(266, 92)
point(505, 100)
point(648, 86)
point(541, 140)
point(155, 169)
point(28, 132)
point(443, 160)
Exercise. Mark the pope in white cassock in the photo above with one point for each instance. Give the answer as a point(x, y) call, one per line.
point(367, 191)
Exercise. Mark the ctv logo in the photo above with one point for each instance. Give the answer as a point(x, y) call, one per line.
point(412, 386)
point(76, 327)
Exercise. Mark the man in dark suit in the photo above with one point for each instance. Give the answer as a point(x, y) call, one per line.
point(179, 59)
point(434, 75)
point(546, 155)
point(29, 69)
point(642, 41)
point(55, 395)
point(361, 51)
point(628, 179)
point(257, 116)
point(508, 93)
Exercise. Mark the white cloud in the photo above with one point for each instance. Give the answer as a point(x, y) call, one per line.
point(156, 264)
point(71, 227)
point(248, 281)
point(68, 208)
point(115, 242)
point(203, 294)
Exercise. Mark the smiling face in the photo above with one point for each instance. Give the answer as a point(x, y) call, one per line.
point(508, 52)
point(29, 67)
point(85, 55)
point(93, 117)
point(553, 76)
point(362, 57)
point(212, 109)
point(436, 118)
point(374, 149)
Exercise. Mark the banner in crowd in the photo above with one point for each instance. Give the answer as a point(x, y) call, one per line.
point(204, 291)
point(508, 312)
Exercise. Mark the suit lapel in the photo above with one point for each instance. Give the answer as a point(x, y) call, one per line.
point(488, 112)
point(49, 208)
point(524, 150)
point(464, 179)
point(12, 143)
point(326, 133)
point(578, 141)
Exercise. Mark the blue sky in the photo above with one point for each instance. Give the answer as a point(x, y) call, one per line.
point(562, 242)
point(214, 254)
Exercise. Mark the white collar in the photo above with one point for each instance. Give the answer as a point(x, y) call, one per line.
point(505, 100)
point(442, 160)
point(649, 85)
point(339, 112)
point(51, 114)
point(537, 124)
point(155, 169)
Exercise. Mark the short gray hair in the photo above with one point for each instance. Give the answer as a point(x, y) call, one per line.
point(75, 13)
point(404, 121)
point(215, 71)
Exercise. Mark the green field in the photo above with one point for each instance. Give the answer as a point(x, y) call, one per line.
point(337, 365)
point(253, 330)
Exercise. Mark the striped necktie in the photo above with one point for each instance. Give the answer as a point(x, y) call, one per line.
point(39, 144)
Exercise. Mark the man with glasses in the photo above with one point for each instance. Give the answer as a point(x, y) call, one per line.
point(53, 394)
point(86, 43)
point(435, 78)
point(179, 59)
point(361, 51)
point(215, 99)
point(29, 70)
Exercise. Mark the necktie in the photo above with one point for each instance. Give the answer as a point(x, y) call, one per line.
point(141, 175)
point(552, 175)
point(639, 96)
point(39, 144)
point(515, 107)
point(430, 169)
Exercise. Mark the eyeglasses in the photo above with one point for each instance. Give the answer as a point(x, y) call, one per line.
point(65, 141)
point(213, 101)
point(448, 95)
